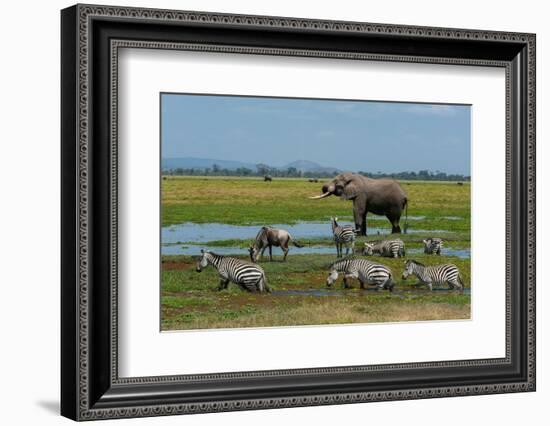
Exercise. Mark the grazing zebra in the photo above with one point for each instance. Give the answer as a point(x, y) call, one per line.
point(269, 237)
point(386, 248)
point(248, 276)
point(432, 245)
point(343, 235)
point(439, 274)
point(364, 270)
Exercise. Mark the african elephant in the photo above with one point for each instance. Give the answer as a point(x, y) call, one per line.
point(379, 196)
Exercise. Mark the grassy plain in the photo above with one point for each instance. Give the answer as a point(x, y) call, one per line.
point(247, 201)
point(191, 301)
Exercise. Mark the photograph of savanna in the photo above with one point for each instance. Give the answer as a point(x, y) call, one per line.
point(292, 211)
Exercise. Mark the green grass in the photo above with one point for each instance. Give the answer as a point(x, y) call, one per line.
point(190, 300)
point(243, 201)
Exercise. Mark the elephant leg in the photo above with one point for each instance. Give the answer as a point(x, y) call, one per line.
point(394, 220)
point(360, 214)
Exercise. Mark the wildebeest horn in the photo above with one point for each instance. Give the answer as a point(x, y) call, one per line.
point(317, 197)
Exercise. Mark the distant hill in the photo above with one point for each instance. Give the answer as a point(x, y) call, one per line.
point(191, 166)
point(203, 163)
point(310, 166)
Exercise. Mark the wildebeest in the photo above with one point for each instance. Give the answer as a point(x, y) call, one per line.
point(268, 237)
point(267, 178)
point(459, 183)
point(313, 180)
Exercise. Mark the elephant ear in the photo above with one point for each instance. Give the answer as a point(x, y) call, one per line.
point(352, 186)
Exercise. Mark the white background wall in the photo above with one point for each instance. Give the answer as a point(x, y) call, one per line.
point(29, 225)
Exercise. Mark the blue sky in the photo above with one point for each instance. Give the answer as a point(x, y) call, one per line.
point(349, 135)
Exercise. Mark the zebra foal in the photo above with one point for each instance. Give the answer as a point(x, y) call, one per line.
point(386, 248)
point(248, 276)
point(438, 274)
point(343, 235)
point(365, 271)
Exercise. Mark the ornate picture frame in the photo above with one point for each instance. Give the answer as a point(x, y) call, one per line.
point(91, 386)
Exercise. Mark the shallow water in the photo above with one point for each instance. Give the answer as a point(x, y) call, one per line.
point(463, 253)
point(194, 250)
point(204, 232)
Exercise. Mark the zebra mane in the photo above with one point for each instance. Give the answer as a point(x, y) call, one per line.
point(213, 254)
point(340, 260)
point(416, 262)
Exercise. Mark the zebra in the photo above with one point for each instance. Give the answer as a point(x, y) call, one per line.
point(269, 237)
point(343, 235)
point(248, 276)
point(438, 274)
point(364, 270)
point(432, 245)
point(386, 248)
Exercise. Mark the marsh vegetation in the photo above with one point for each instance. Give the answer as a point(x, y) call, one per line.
point(241, 206)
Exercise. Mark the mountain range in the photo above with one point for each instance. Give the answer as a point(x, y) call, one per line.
point(203, 163)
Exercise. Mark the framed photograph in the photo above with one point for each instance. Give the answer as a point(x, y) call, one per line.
point(263, 212)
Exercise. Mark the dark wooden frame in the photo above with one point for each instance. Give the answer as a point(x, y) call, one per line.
point(90, 386)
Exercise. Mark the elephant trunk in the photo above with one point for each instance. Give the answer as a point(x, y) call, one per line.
point(327, 191)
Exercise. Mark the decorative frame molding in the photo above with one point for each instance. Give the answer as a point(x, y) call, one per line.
point(91, 37)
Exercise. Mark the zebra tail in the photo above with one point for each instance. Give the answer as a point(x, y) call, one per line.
point(264, 286)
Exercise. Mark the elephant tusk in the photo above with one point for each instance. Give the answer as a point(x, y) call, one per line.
point(318, 197)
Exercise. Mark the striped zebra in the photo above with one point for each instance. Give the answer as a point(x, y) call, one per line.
point(432, 245)
point(343, 235)
point(386, 248)
point(364, 270)
point(439, 274)
point(248, 276)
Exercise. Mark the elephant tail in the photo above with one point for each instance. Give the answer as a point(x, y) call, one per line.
point(406, 207)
